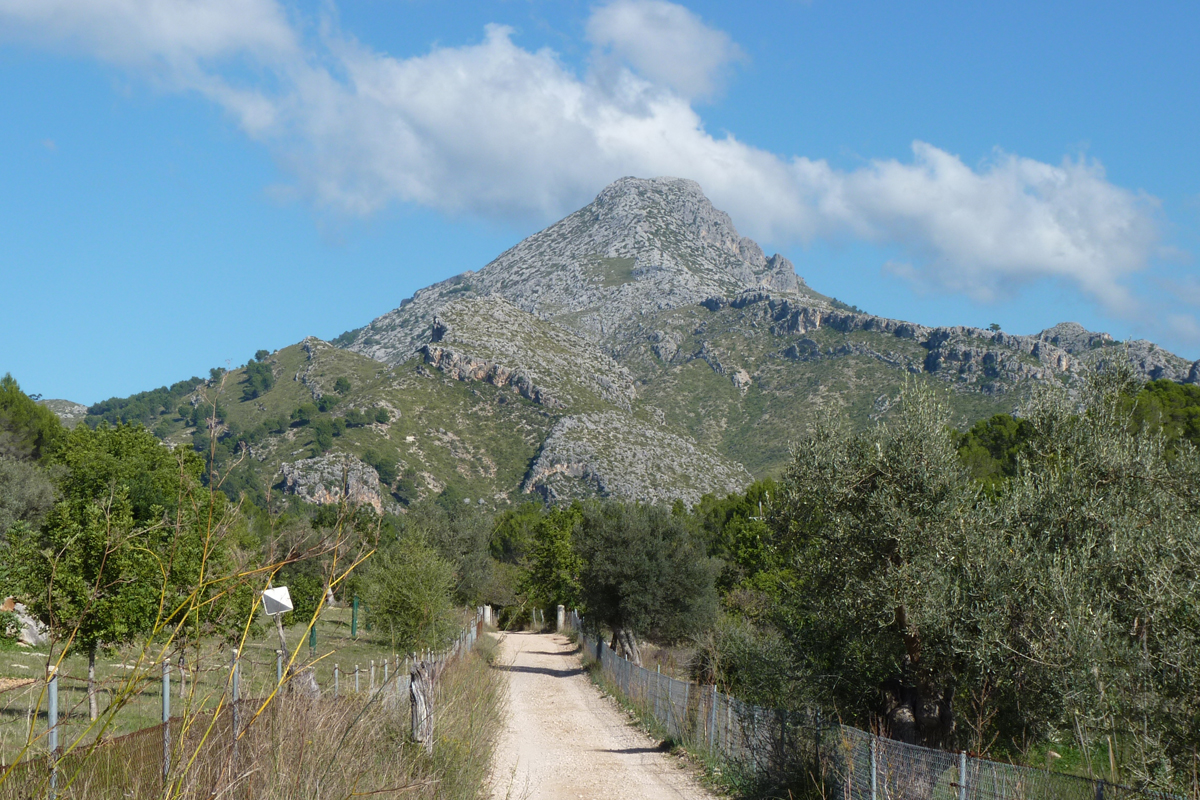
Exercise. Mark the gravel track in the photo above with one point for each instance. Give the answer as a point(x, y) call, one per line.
point(563, 740)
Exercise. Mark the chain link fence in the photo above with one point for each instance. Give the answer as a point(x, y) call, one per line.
point(781, 746)
point(197, 751)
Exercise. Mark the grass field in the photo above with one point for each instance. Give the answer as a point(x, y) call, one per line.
point(129, 682)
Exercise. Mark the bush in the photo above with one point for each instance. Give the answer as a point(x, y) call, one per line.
point(408, 588)
point(10, 625)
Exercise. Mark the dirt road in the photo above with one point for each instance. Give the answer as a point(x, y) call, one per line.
point(565, 741)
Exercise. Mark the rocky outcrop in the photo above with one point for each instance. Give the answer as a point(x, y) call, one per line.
point(964, 352)
point(330, 478)
point(614, 454)
point(489, 339)
point(70, 413)
point(463, 367)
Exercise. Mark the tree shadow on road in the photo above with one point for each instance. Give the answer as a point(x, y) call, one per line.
point(554, 673)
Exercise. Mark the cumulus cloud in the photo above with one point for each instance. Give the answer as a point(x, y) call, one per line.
point(664, 42)
point(498, 130)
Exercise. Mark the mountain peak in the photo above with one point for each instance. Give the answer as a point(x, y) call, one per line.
point(643, 245)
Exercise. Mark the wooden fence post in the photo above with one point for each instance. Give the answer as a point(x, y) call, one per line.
point(420, 691)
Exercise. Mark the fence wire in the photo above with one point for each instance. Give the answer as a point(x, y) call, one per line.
point(136, 764)
point(779, 745)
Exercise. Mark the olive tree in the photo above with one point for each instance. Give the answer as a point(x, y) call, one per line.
point(645, 572)
point(870, 521)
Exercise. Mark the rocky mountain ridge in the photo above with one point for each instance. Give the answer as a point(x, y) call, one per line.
point(639, 348)
point(641, 246)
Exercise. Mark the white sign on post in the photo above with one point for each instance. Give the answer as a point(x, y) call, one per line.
point(277, 600)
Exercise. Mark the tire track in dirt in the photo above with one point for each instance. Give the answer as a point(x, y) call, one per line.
point(563, 740)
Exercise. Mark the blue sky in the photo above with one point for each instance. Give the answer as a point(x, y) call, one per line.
point(183, 183)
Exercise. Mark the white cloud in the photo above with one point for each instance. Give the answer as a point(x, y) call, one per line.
point(664, 42)
point(501, 131)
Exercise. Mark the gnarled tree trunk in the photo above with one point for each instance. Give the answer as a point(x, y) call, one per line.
point(624, 645)
point(420, 689)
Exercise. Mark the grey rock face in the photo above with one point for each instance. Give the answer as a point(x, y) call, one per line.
point(612, 453)
point(640, 246)
point(1074, 338)
point(489, 339)
point(69, 412)
point(330, 478)
point(32, 632)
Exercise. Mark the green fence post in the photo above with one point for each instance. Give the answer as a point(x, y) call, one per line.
point(312, 641)
point(354, 618)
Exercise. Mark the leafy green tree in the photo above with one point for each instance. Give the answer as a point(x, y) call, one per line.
point(326, 402)
point(513, 532)
point(868, 521)
point(322, 429)
point(992, 448)
point(100, 568)
point(259, 380)
point(382, 416)
point(1169, 408)
point(1088, 617)
point(341, 385)
point(304, 414)
point(262, 355)
point(738, 535)
point(26, 494)
point(552, 578)
point(408, 587)
point(27, 430)
point(645, 573)
point(144, 407)
point(386, 467)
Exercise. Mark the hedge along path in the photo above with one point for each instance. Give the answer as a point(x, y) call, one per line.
point(564, 740)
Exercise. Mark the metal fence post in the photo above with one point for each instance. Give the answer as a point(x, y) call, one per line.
point(166, 719)
point(233, 707)
point(687, 692)
point(52, 722)
point(874, 769)
point(354, 618)
point(335, 680)
point(312, 641)
point(657, 689)
point(962, 775)
point(712, 724)
point(278, 667)
point(356, 689)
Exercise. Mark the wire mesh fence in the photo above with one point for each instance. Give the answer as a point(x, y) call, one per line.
point(196, 750)
point(778, 745)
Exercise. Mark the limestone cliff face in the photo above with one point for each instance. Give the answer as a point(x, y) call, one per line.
point(973, 354)
point(613, 454)
point(329, 479)
point(489, 339)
